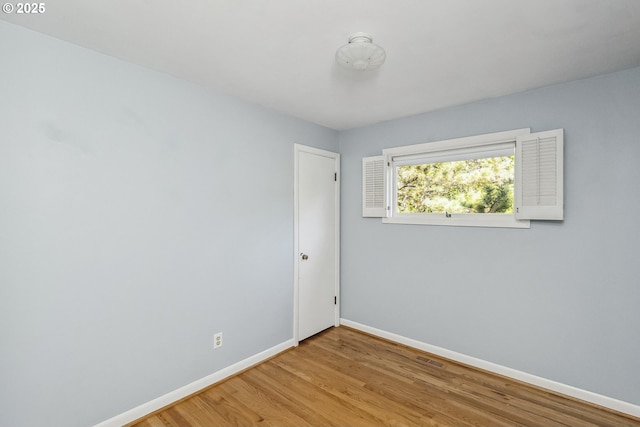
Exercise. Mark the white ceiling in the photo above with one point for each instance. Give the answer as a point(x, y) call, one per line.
point(280, 53)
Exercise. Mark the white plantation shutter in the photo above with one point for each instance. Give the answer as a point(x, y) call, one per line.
point(539, 175)
point(373, 187)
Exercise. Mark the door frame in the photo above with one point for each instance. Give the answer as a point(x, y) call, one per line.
point(297, 149)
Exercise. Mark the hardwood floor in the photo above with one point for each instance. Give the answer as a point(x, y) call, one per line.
point(342, 377)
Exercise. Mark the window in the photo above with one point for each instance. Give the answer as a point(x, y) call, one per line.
point(473, 181)
point(478, 185)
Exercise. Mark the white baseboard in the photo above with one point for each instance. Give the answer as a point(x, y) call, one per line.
point(598, 399)
point(189, 389)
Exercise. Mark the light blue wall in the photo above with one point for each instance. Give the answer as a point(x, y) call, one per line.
point(559, 300)
point(139, 215)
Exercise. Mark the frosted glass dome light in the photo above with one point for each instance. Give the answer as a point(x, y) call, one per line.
point(360, 53)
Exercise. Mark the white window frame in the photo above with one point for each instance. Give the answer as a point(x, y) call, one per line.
point(501, 143)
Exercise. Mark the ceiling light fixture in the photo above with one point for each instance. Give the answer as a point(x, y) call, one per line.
point(360, 53)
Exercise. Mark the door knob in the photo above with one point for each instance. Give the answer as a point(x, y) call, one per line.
point(304, 256)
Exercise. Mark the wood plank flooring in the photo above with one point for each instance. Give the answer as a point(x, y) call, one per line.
point(342, 377)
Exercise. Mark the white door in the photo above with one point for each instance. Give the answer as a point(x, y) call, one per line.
point(317, 237)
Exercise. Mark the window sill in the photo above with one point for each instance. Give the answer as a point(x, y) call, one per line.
point(460, 220)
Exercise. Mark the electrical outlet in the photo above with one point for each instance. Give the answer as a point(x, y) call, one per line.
point(217, 340)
